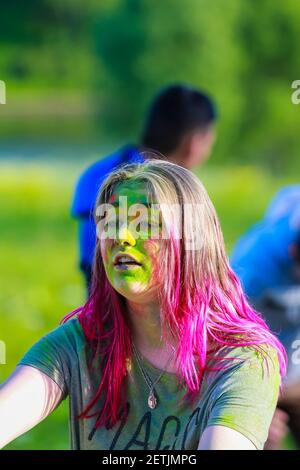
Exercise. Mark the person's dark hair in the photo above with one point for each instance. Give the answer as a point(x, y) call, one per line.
point(175, 111)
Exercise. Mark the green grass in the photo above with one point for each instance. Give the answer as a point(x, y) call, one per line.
point(39, 278)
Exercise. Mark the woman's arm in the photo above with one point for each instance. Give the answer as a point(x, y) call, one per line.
point(26, 398)
point(224, 438)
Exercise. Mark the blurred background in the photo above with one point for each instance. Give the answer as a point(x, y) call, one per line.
point(79, 77)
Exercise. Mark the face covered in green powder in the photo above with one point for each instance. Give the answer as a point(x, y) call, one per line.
point(135, 278)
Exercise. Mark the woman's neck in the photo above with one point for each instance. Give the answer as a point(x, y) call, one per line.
point(145, 324)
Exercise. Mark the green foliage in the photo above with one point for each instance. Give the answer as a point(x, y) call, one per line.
point(172, 42)
point(120, 52)
point(243, 53)
point(39, 279)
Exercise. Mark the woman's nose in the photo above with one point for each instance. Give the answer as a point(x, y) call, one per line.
point(125, 237)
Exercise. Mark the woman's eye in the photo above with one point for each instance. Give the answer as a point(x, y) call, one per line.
point(150, 230)
point(111, 224)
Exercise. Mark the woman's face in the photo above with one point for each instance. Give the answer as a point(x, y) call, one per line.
point(134, 277)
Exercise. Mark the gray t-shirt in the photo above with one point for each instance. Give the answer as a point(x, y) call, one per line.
point(242, 397)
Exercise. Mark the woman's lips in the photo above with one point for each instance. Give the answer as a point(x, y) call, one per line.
point(124, 261)
point(126, 267)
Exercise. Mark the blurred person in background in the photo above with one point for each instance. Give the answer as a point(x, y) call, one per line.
point(267, 260)
point(180, 125)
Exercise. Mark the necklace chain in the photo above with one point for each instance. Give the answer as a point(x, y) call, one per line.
point(152, 400)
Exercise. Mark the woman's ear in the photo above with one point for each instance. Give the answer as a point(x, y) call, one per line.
point(200, 145)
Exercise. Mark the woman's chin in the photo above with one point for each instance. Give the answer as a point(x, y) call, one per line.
point(138, 295)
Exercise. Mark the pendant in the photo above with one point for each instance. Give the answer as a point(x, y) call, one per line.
point(128, 364)
point(152, 402)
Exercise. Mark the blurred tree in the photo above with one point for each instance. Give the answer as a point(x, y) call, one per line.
point(46, 43)
point(244, 53)
point(142, 47)
point(270, 123)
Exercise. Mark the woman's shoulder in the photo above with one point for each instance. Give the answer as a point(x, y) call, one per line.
point(243, 395)
point(69, 331)
point(66, 337)
point(71, 325)
point(251, 359)
point(57, 352)
point(62, 344)
point(245, 352)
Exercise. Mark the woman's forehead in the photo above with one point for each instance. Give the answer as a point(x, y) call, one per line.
point(134, 191)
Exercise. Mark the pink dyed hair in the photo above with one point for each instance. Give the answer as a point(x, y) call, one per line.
point(202, 301)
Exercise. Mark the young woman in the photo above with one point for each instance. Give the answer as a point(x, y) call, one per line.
point(166, 353)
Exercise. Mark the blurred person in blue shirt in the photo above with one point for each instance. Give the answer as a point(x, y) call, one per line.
point(267, 260)
point(264, 257)
point(180, 125)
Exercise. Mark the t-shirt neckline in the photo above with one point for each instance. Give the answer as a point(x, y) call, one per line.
point(148, 365)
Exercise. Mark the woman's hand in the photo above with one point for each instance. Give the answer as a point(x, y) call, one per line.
point(26, 398)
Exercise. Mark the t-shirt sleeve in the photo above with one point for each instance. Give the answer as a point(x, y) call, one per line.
point(53, 355)
point(245, 394)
